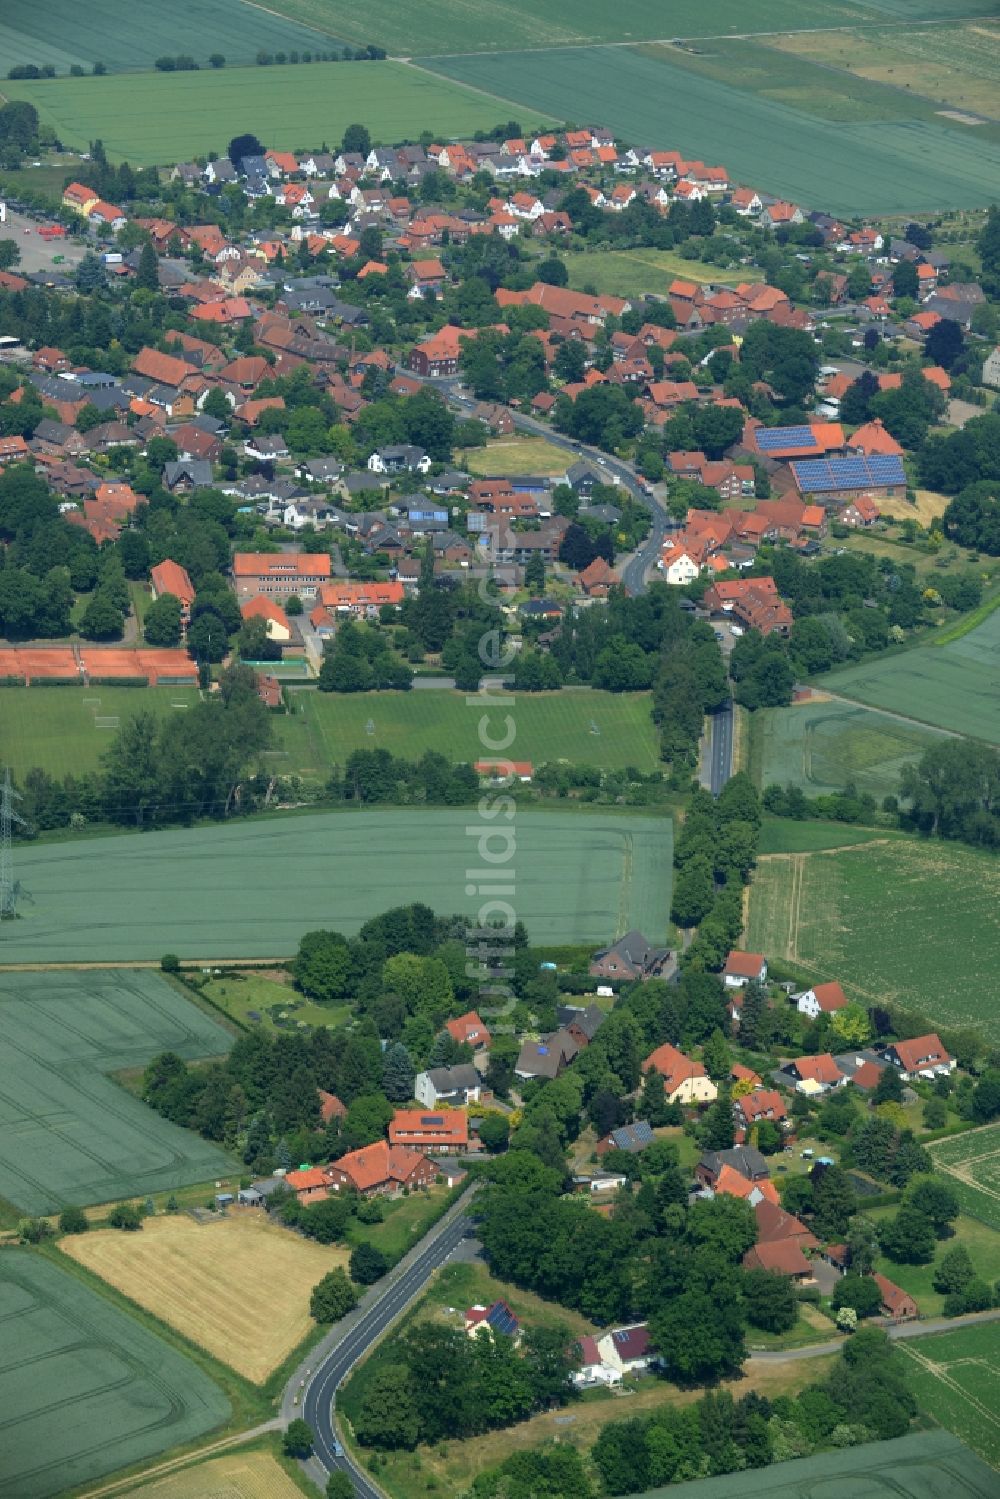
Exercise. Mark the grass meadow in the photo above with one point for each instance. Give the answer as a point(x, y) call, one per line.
point(64, 32)
point(516, 455)
point(251, 889)
point(644, 272)
point(155, 119)
point(326, 727)
point(822, 746)
point(87, 1389)
point(197, 1276)
point(253, 999)
point(68, 1133)
point(871, 917)
point(956, 1377)
point(910, 164)
point(950, 684)
point(972, 1164)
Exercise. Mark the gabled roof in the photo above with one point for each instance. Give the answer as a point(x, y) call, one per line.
point(781, 1258)
point(829, 997)
point(165, 369)
point(744, 965)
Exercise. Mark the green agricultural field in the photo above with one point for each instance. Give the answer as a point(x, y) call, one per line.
point(823, 746)
point(68, 1132)
point(475, 26)
point(909, 164)
point(956, 1377)
point(154, 119)
point(326, 727)
point(643, 272)
point(56, 728)
point(872, 918)
point(786, 835)
point(86, 1390)
point(952, 686)
point(924, 1465)
point(64, 32)
point(251, 889)
point(972, 1164)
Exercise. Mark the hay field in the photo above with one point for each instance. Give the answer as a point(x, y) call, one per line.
point(235, 1475)
point(68, 1132)
point(972, 1164)
point(823, 746)
point(86, 1389)
point(911, 163)
point(954, 686)
point(251, 889)
point(238, 1287)
point(153, 119)
point(903, 920)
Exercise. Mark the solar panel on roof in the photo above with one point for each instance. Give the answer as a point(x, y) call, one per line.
point(502, 1319)
point(769, 438)
point(429, 1119)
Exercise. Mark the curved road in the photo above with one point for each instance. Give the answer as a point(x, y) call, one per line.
point(316, 1387)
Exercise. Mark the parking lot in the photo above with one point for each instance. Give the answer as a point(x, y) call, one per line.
point(38, 254)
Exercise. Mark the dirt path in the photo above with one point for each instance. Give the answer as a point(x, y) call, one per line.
point(124, 1485)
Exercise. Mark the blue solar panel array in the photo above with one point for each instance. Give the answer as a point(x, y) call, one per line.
point(771, 439)
point(502, 1319)
point(817, 476)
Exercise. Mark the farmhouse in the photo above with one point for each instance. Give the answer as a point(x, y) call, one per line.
point(381, 1170)
point(446, 1133)
point(684, 1081)
point(782, 1257)
point(896, 1303)
point(923, 1056)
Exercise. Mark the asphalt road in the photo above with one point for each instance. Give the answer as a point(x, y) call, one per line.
point(720, 763)
point(315, 1403)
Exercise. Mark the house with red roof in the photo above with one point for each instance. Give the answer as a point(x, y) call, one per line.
point(897, 1304)
point(783, 1257)
point(170, 577)
point(469, 1030)
point(275, 619)
point(445, 1132)
point(814, 1074)
point(821, 999)
point(684, 1081)
point(381, 1170)
point(744, 968)
point(762, 1103)
point(921, 1056)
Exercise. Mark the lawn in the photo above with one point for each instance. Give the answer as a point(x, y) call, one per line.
point(956, 1377)
point(955, 685)
point(250, 889)
point(270, 1003)
point(200, 1278)
point(154, 119)
point(475, 26)
point(982, 1242)
point(68, 1133)
point(972, 1164)
point(923, 1465)
point(643, 272)
point(56, 728)
point(955, 66)
point(63, 32)
point(510, 456)
point(822, 746)
point(911, 164)
point(406, 1221)
point(872, 918)
point(549, 726)
point(244, 1474)
point(86, 1389)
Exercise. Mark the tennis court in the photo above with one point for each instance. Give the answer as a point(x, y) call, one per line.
point(85, 1389)
point(250, 889)
point(68, 1132)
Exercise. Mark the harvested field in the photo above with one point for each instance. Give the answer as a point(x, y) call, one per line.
point(872, 918)
point(86, 1389)
point(199, 1278)
point(68, 1133)
point(577, 877)
point(929, 507)
point(235, 1475)
point(954, 686)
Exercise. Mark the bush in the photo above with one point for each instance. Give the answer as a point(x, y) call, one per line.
point(859, 1292)
point(33, 1230)
point(126, 1216)
point(73, 1221)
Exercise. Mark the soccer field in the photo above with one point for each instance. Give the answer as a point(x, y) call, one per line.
point(251, 889)
point(65, 730)
point(153, 119)
point(822, 746)
point(68, 1132)
point(903, 920)
point(954, 686)
point(85, 1388)
point(606, 729)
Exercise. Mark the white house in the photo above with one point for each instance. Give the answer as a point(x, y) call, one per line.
point(678, 568)
point(626, 1350)
point(923, 1056)
point(744, 968)
point(821, 999)
point(451, 1085)
point(399, 458)
point(991, 368)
